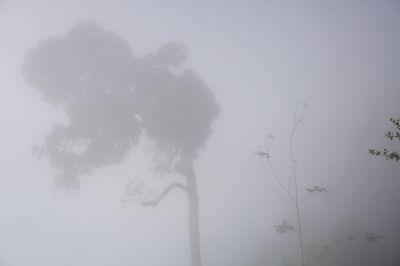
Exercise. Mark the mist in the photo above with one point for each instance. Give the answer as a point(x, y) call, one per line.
point(185, 133)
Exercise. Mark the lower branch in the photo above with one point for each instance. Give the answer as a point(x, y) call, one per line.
point(156, 201)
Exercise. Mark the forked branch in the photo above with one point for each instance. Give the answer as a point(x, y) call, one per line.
point(156, 201)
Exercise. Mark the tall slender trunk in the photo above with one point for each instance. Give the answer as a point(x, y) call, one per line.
point(300, 234)
point(193, 205)
point(297, 203)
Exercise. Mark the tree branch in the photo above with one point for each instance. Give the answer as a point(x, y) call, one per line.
point(154, 203)
point(285, 189)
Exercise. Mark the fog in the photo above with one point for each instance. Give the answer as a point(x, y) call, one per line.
point(254, 69)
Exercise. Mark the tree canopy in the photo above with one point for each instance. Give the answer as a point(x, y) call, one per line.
point(112, 97)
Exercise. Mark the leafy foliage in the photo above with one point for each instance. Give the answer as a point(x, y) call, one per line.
point(318, 189)
point(284, 227)
point(112, 98)
point(392, 135)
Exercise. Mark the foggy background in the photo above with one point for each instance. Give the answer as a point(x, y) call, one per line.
point(260, 58)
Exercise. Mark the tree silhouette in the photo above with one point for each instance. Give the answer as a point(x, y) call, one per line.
point(289, 187)
point(112, 98)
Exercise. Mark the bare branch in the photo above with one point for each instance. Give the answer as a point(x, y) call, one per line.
point(154, 203)
point(292, 138)
point(288, 201)
point(286, 190)
point(296, 195)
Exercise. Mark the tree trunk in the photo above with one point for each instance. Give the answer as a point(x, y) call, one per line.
point(300, 231)
point(193, 205)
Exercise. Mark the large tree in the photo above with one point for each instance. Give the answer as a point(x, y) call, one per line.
point(111, 98)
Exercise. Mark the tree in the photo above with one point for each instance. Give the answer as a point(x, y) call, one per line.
point(112, 98)
point(289, 187)
point(392, 135)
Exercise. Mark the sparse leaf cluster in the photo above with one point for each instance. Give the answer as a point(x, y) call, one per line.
point(262, 154)
point(317, 189)
point(136, 191)
point(371, 237)
point(362, 236)
point(284, 227)
point(389, 155)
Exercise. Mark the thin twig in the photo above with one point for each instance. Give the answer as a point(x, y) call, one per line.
point(284, 199)
point(279, 181)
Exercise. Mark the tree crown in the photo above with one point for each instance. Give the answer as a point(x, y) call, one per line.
point(112, 97)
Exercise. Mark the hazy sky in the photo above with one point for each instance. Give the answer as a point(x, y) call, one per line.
point(260, 58)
